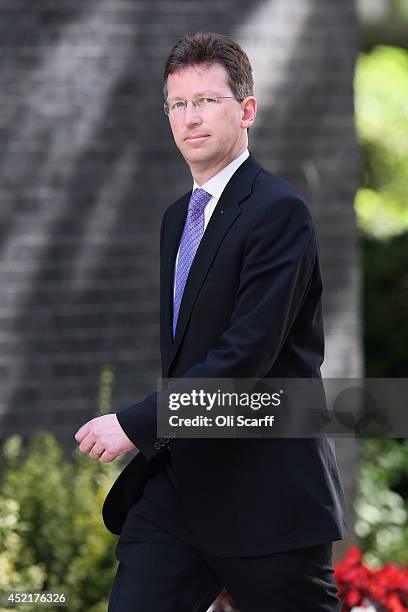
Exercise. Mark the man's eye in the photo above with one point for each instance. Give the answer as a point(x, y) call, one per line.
point(209, 100)
point(179, 104)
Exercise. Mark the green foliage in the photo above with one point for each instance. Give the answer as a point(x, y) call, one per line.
point(400, 7)
point(381, 103)
point(385, 306)
point(381, 97)
point(382, 502)
point(52, 534)
point(17, 570)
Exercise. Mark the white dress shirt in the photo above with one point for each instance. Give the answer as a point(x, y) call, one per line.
point(215, 186)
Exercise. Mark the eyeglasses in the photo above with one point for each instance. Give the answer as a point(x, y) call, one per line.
point(205, 103)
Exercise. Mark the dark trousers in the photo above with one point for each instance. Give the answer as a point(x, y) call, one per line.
point(162, 568)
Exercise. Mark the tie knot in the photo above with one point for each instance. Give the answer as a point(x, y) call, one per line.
point(198, 200)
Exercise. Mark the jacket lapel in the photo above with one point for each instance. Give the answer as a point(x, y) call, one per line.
point(227, 210)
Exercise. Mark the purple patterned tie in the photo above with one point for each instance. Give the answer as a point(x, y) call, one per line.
point(192, 234)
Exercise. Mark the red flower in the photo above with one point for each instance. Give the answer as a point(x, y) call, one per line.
point(385, 587)
point(352, 598)
point(394, 604)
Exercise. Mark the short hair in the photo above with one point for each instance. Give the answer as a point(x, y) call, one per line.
point(210, 48)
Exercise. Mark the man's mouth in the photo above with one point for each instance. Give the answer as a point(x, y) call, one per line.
point(197, 137)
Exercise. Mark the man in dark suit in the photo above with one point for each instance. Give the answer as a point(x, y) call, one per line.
point(240, 298)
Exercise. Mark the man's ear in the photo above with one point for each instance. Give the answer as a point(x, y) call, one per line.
point(249, 107)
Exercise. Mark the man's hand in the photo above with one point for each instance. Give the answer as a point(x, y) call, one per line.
point(103, 438)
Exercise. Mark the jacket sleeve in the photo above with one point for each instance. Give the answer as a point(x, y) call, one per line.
point(279, 255)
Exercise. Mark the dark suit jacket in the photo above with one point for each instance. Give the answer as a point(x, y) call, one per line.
point(251, 308)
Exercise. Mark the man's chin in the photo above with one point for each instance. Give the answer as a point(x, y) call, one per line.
point(197, 157)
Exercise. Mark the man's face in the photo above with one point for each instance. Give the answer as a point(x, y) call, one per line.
point(212, 137)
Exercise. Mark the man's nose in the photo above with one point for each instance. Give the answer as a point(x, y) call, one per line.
point(191, 114)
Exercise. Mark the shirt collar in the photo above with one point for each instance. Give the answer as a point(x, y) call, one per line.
point(217, 183)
